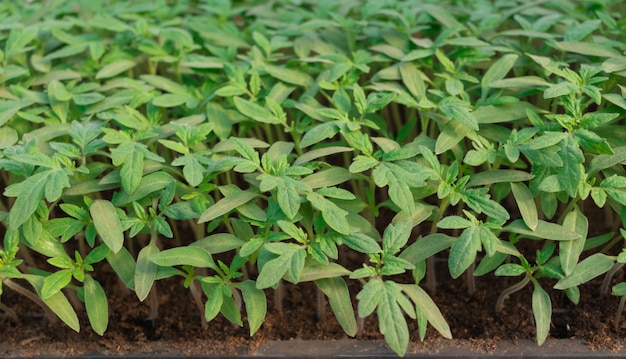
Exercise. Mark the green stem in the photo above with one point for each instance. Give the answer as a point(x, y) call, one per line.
point(431, 278)
point(30, 295)
point(510, 290)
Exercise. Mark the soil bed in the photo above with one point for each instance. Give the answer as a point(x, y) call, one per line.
point(178, 330)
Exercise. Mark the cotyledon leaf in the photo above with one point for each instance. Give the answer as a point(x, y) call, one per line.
point(226, 205)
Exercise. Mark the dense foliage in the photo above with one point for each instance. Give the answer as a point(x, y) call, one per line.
point(241, 144)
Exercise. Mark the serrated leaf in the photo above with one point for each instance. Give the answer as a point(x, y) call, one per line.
point(427, 306)
point(338, 296)
point(391, 321)
point(256, 304)
point(463, 251)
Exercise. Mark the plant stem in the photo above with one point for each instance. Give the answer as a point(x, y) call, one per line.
point(620, 309)
point(431, 278)
point(10, 312)
point(30, 295)
point(510, 290)
point(279, 293)
point(154, 303)
point(608, 278)
point(471, 282)
point(321, 303)
point(197, 298)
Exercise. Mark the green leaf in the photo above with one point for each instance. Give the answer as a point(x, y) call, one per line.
point(412, 79)
point(569, 251)
point(255, 111)
point(145, 271)
point(451, 134)
point(57, 302)
point(453, 222)
point(510, 270)
point(526, 204)
point(214, 303)
point(115, 68)
point(55, 282)
point(290, 76)
point(31, 191)
point(274, 269)
point(619, 289)
point(427, 247)
point(521, 81)
point(131, 158)
point(463, 251)
point(391, 320)
point(369, 297)
point(314, 270)
point(334, 216)
point(107, 223)
point(542, 312)
point(56, 90)
point(460, 114)
point(498, 176)
point(587, 48)
point(571, 173)
point(255, 302)
point(288, 198)
point(123, 265)
point(428, 307)
point(589, 268)
point(194, 256)
point(498, 70)
point(544, 230)
point(226, 205)
point(361, 243)
point(96, 305)
point(174, 100)
point(336, 290)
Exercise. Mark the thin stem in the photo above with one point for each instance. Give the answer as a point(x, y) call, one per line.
point(321, 303)
point(154, 303)
point(471, 282)
point(431, 278)
point(30, 295)
point(197, 298)
point(510, 290)
point(279, 293)
point(620, 309)
point(10, 312)
point(608, 278)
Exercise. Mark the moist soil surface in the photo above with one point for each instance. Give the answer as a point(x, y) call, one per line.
point(178, 328)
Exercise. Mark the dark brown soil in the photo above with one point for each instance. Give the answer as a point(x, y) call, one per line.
point(178, 330)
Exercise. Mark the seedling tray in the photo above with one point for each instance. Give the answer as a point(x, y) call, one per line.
point(351, 349)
